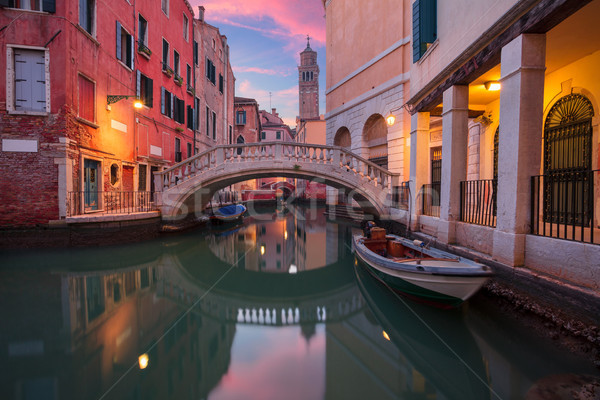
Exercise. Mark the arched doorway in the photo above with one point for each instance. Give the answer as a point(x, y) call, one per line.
point(568, 190)
point(375, 138)
point(342, 138)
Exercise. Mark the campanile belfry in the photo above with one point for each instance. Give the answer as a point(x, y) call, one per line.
point(308, 83)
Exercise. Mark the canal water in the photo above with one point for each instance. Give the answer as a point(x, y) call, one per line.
point(273, 308)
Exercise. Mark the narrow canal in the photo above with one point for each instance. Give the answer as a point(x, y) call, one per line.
point(274, 308)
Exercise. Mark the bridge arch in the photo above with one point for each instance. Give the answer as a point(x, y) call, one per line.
point(186, 187)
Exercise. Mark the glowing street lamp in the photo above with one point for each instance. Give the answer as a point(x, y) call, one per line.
point(111, 99)
point(143, 361)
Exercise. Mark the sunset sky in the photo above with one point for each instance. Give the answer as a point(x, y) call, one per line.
point(265, 39)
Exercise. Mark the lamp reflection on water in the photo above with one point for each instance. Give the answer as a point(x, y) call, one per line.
point(143, 361)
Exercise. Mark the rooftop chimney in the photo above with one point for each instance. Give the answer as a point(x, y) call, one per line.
point(274, 111)
point(201, 13)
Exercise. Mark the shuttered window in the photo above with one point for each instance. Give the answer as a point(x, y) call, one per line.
point(30, 80)
point(207, 121)
point(86, 99)
point(86, 15)
point(166, 102)
point(145, 89)
point(165, 54)
point(195, 52)
point(424, 26)
point(124, 46)
point(214, 125)
point(178, 110)
point(190, 117)
point(220, 83)
point(34, 5)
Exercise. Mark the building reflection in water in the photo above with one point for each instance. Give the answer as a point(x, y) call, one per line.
point(74, 329)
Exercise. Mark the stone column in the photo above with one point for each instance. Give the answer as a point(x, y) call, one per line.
point(419, 157)
point(520, 142)
point(455, 133)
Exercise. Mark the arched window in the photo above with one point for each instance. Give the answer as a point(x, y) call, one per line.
point(342, 138)
point(375, 137)
point(240, 140)
point(568, 190)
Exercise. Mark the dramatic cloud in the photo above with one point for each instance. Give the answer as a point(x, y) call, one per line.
point(290, 20)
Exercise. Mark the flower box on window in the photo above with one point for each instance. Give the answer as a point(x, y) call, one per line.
point(190, 89)
point(144, 50)
point(178, 80)
point(167, 70)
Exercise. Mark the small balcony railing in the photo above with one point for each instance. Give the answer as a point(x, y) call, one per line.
point(478, 202)
point(563, 205)
point(430, 199)
point(80, 203)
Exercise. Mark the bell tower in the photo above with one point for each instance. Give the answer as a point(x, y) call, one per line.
point(308, 83)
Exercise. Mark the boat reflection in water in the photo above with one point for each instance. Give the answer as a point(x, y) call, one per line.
point(437, 343)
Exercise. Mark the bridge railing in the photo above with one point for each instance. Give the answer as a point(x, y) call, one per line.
point(275, 151)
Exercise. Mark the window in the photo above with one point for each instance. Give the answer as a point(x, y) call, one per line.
point(86, 15)
point(177, 150)
point(210, 71)
point(164, 6)
point(124, 46)
point(144, 89)
point(190, 117)
point(263, 135)
point(240, 118)
point(230, 134)
point(166, 103)
point(189, 75)
point(207, 121)
point(424, 26)
point(186, 27)
point(86, 99)
point(195, 52)
point(189, 150)
point(176, 62)
point(178, 110)
point(221, 83)
point(196, 113)
point(165, 55)
point(278, 135)
point(214, 125)
point(114, 174)
point(28, 92)
point(142, 171)
point(143, 31)
point(34, 5)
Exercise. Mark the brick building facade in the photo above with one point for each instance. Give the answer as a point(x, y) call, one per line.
point(68, 127)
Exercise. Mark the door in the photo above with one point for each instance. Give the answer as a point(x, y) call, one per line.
point(91, 170)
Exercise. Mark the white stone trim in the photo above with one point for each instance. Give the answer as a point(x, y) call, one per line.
point(20, 145)
point(369, 63)
point(10, 79)
point(118, 125)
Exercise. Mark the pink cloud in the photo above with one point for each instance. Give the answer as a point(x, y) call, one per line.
point(263, 71)
point(293, 19)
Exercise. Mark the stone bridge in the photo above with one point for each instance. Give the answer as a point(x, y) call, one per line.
point(185, 188)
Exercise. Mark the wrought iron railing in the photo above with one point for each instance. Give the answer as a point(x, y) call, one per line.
point(478, 202)
point(79, 203)
point(563, 206)
point(430, 199)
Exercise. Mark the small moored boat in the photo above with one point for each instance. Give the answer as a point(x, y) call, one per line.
point(410, 268)
point(229, 213)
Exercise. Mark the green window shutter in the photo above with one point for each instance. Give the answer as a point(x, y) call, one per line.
point(119, 41)
point(424, 26)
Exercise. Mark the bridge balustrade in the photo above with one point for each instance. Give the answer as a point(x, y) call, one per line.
point(297, 153)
